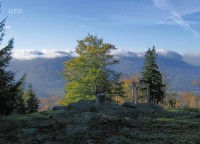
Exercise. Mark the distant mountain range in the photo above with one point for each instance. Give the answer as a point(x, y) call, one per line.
point(44, 68)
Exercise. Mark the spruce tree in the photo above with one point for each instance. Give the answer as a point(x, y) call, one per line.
point(90, 73)
point(10, 92)
point(32, 103)
point(152, 76)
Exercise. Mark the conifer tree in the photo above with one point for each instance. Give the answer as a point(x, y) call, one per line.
point(32, 103)
point(90, 73)
point(10, 92)
point(152, 76)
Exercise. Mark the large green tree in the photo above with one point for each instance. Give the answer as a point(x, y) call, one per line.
point(152, 76)
point(10, 90)
point(90, 73)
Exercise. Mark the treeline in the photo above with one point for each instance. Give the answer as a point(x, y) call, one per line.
point(14, 99)
point(90, 74)
point(183, 100)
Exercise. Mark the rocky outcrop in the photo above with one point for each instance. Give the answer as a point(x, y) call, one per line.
point(88, 123)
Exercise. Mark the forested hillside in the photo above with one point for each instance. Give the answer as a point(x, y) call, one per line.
point(46, 73)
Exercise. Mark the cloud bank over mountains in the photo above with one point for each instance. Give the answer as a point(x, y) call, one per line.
point(33, 54)
point(193, 59)
point(44, 68)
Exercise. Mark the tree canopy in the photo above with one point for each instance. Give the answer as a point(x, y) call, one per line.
point(31, 102)
point(152, 76)
point(90, 73)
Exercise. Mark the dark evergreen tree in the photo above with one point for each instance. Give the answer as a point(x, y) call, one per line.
point(20, 107)
point(10, 90)
point(152, 76)
point(32, 103)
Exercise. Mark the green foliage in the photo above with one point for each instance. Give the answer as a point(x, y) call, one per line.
point(10, 92)
point(152, 76)
point(89, 73)
point(31, 102)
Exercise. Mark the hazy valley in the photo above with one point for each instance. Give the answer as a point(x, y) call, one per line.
point(44, 69)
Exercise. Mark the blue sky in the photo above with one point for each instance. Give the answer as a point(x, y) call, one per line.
point(132, 25)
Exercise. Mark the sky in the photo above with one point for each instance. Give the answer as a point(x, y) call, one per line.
point(133, 25)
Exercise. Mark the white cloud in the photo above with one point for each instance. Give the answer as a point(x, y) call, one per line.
point(33, 54)
point(180, 21)
point(193, 59)
point(141, 54)
point(174, 16)
point(169, 54)
point(124, 53)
